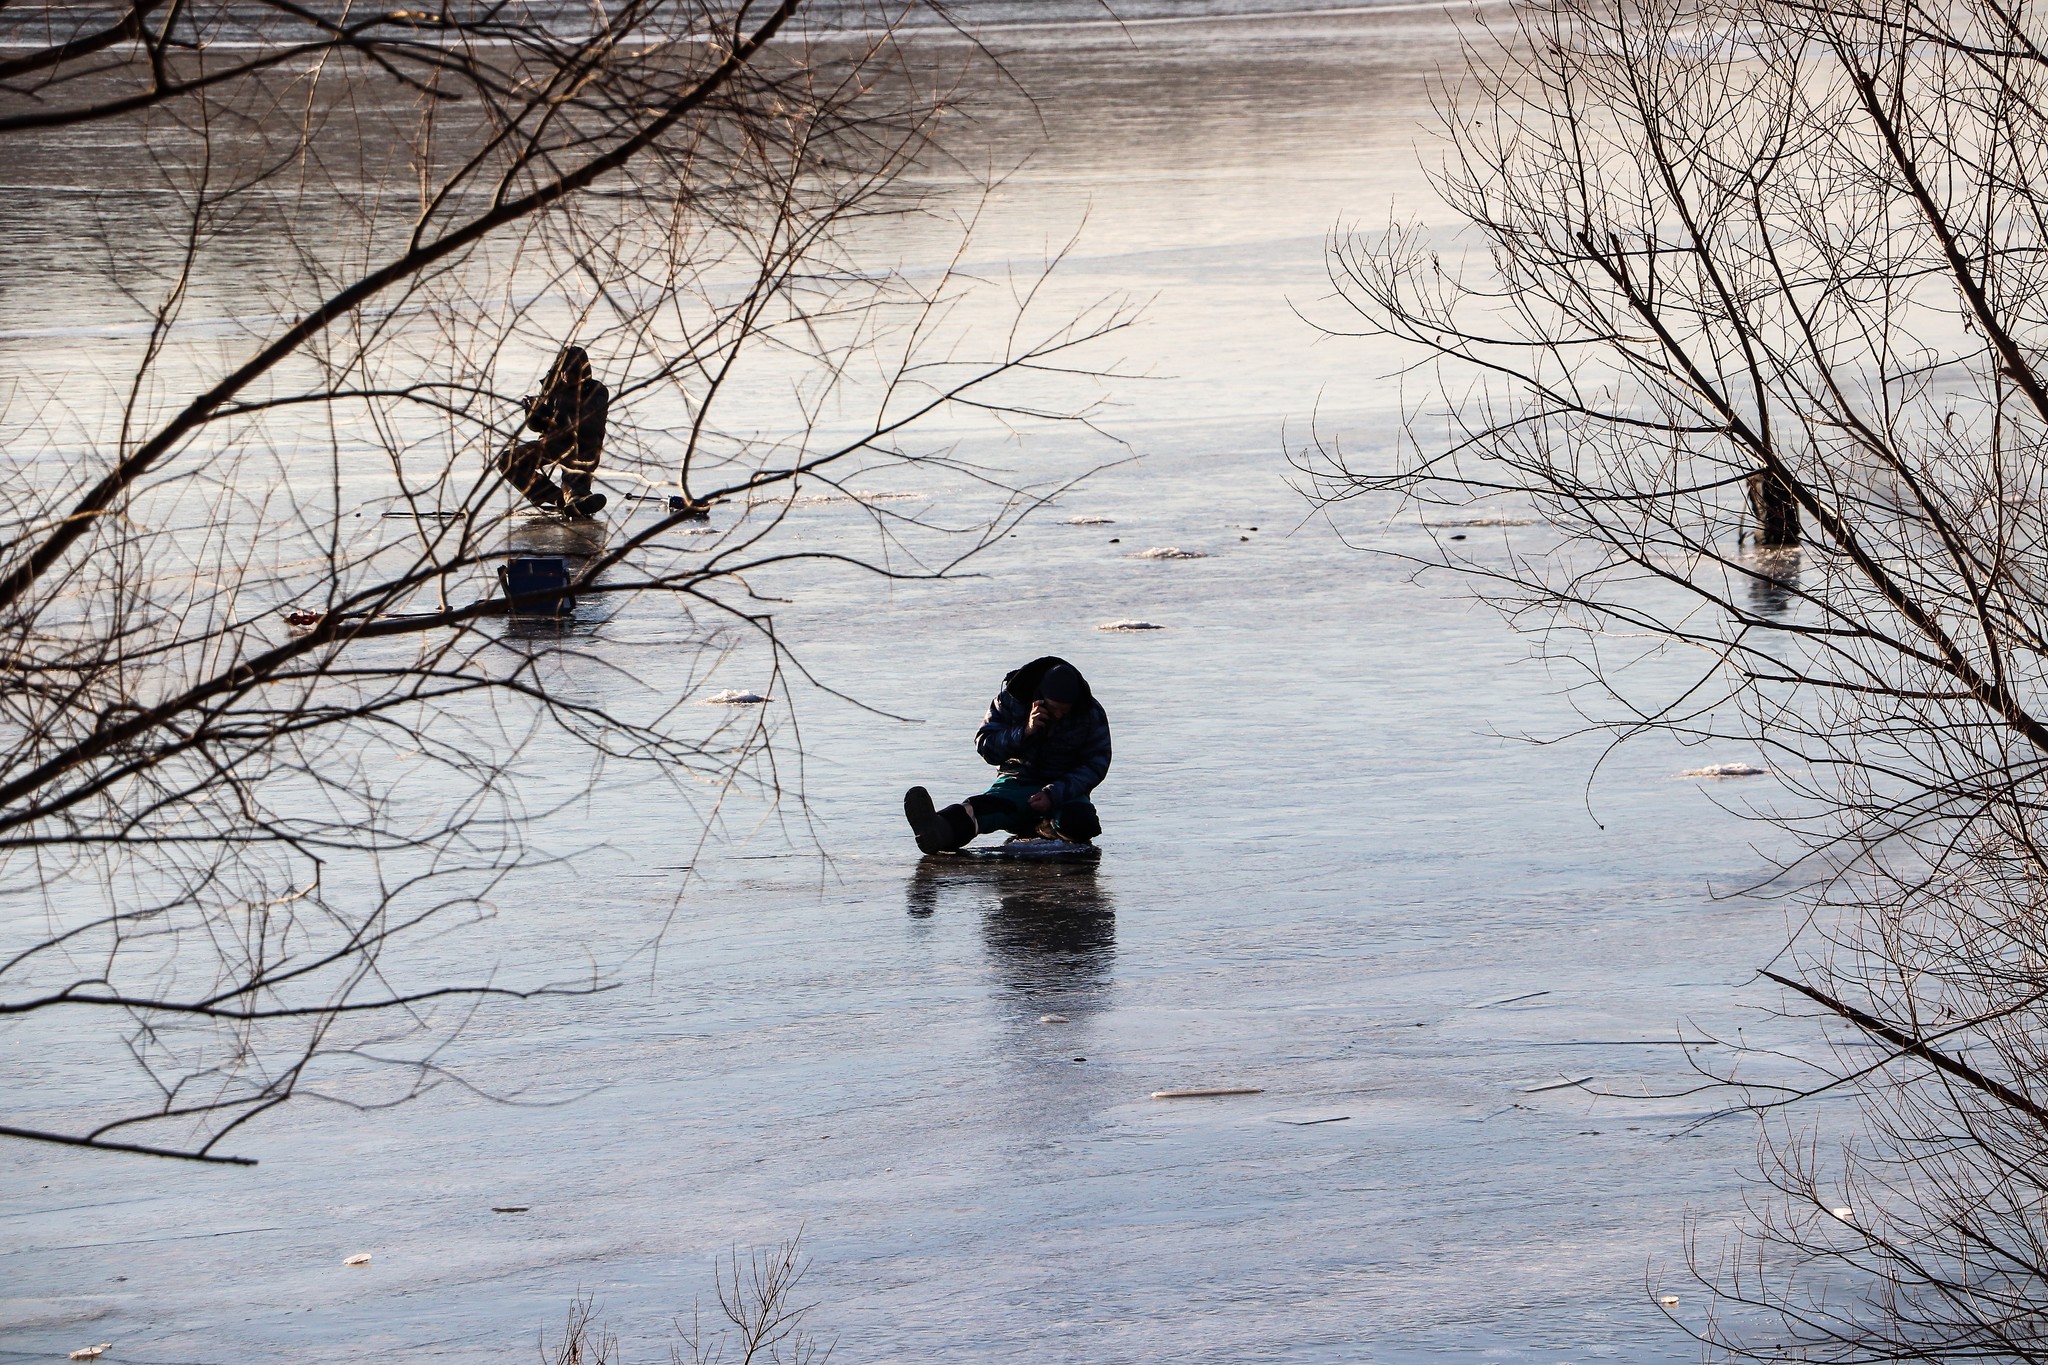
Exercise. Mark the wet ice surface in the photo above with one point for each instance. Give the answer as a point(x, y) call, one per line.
point(1324, 876)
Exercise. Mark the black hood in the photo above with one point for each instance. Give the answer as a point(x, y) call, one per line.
point(1022, 683)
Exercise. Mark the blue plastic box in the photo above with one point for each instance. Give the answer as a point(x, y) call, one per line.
point(542, 574)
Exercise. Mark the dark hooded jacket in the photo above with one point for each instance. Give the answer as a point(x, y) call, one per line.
point(1071, 757)
point(570, 416)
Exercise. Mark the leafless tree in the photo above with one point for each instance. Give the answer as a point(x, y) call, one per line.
point(1774, 271)
point(264, 705)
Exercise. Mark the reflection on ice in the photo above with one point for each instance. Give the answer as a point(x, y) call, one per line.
point(548, 534)
point(1774, 581)
point(1050, 928)
point(559, 547)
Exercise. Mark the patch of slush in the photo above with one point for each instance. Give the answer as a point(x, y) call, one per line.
point(1727, 770)
point(1130, 625)
point(1170, 552)
point(1091, 521)
point(733, 697)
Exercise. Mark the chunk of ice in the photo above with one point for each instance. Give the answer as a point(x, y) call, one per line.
point(1129, 625)
point(734, 697)
point(1170, 552)
point(360, 1258)
point(1727, 770)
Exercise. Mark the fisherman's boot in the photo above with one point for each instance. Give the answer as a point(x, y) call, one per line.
point(938, 831)
point(1077, 822)
point(577, 499)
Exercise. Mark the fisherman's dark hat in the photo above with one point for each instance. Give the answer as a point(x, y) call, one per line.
point(1062, 683)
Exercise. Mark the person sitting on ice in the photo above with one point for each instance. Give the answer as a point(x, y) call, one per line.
point(1050, 739)
point(569, 413)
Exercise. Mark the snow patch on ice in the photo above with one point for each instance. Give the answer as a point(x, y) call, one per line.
point(1484, 519)
point(831, 499)
point(1170, 552)
point(864, 499)
point(1091, 521)
point(733, 697)
point(1130, 625)
point(1727, 770)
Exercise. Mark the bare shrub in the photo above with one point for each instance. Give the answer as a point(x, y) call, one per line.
point(757, 1300)
point(583, 1341)
point(1763, 266)
point(763, 1318)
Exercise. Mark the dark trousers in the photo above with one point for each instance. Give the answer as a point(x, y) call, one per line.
point(1007, 806)
point(524, 467)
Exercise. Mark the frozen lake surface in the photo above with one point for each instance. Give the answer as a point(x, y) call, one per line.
point(1326, 874)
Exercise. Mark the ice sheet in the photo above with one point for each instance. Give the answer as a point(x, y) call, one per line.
point(1325, 876)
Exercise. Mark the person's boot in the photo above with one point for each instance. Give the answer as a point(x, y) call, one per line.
point(1076, 823)
point(924, 821)
point(587, 506)
point(937, 831)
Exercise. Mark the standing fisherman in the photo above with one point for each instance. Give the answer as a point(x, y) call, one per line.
point(569, 413)
point(1050, 739)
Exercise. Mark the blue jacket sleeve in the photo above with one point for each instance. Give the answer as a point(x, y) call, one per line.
point(1001, 736)
point(1093, 766)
